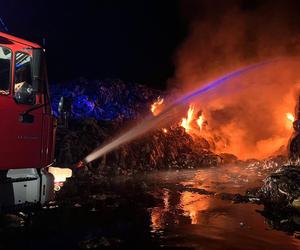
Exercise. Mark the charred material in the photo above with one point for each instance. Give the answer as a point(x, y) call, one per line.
point(280, 191)
point(282, 188)
point(287, 221)
point(158, 150)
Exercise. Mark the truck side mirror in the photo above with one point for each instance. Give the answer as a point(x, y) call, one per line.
point(37, 57)
point(26, 118)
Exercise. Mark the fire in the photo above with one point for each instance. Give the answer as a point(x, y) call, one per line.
point(154, 107)
point(195, 123)
point(290, 120)
point(186, 122)
point(200, 121)
point(290, 117)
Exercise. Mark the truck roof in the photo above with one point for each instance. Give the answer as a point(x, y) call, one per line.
point(6, 38)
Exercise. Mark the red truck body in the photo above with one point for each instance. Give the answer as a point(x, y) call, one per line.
point(24, 144)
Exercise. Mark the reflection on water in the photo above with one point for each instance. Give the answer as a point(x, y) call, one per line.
point(191, 219)
point(156, 218)
point(192, 204)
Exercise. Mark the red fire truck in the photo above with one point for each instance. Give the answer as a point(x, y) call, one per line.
point(27, 126)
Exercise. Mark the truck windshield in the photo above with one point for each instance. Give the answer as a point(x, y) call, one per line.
point(5, 65)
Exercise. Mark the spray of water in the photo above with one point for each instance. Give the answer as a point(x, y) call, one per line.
point(172, 110)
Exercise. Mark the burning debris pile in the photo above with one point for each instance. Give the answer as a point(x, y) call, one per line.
point(98, 110)
point(162, 149)
point(103, 108)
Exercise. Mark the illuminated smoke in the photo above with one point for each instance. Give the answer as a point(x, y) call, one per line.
point(249, 113)
point(171, 111)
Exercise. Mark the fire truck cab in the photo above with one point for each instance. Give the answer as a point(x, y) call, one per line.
point(27, 126)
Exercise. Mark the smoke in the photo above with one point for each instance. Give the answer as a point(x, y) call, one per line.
point(247, 116)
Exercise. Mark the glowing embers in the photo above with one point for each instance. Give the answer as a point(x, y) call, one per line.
point(165, 130)
point(156, 106)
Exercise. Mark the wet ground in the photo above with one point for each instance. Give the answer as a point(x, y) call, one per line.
point(161, 210)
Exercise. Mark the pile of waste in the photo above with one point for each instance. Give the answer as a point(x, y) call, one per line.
point(157, 150)
point(101, 109)
point(107, 100)
point(281, 189)
point(280, 195)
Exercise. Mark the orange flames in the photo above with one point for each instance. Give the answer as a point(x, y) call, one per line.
point(190, 122)
point(200, 121)
point(290, 120)
point(155, 107)
point(290, 117)
point(196, 126)
point(228, 137)
point(186, 122)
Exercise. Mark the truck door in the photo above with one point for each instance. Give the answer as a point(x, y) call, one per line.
point(20, 130)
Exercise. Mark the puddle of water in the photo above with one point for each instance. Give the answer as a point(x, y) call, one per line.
point(189, 219)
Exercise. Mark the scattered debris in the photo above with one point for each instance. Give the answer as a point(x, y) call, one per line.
point(282, 188)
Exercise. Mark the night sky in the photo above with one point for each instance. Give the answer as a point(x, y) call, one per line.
point(131, 40)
